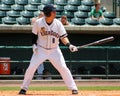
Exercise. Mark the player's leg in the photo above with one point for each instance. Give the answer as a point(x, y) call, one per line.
point(58, 62)
point(36, 60)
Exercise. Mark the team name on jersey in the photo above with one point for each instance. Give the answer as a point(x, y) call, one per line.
point(45, 33)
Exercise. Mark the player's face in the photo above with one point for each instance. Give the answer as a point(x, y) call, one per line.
point(53, 14)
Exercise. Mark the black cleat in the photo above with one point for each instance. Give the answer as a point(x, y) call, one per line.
point(22, 92)
point(74, 91)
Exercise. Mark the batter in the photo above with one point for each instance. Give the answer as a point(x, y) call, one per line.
point(46, 34)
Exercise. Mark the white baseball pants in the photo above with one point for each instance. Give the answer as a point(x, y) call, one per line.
point(55, 56)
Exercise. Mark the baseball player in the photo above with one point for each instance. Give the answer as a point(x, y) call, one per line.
point(46, 34)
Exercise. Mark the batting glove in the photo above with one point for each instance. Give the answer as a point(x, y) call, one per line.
point(73, 48)
point(35, 49)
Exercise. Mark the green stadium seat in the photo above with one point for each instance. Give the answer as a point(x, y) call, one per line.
point(2, 14)
point(17, 7)
point(47, 2)
point(27, 14)
point(59, 8)
point(36, 13)
point(74, 2)
point(34, 2)
point(91, 21)
point(5, 7)
point(106, 21)
point(41, 7)
point(9, 20)
point(103, 9)
point(23, 21)
point(58, 15)
point(61, 2)
point(78, 21)
point(116, 21)
point(88, 2)
point(8, 2)
point(30, 7)
point(68, 14)
point(71, 8)
point(109, 15)
point(81, 14)
point(21, 2)
point(13, 14)
point(84, 8)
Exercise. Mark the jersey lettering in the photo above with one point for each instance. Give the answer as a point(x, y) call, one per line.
point(44, 33)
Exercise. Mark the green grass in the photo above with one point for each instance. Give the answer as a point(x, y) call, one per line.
point(93, 88)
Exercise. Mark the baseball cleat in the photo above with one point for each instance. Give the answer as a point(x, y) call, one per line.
point(22, 92)
point(74, 91)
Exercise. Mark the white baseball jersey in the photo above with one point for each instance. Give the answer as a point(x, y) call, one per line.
point(48, 35)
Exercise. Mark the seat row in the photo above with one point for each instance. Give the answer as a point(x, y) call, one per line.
point(74, 21)
point(37, 2)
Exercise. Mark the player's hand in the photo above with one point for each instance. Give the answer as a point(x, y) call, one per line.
point(73, 48)
point(35, 49)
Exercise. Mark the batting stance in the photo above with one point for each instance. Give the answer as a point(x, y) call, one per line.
point(46, 34)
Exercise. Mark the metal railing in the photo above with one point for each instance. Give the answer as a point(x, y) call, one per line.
point(106, 61)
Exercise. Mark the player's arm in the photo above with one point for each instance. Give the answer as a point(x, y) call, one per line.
point(34, 37)
point(66, 42)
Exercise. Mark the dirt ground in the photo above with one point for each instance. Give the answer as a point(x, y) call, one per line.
point(62, 93)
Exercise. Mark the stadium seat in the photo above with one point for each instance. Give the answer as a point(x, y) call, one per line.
point(34, 2)
point(9, 20)
point(71, 8)
point(81, 14)
point(106, 21)
point(13, 14)
point(61, 2)
point(59, 8)
point(103, 9)
point(2, 14)
point(58, 15)
point(109, 15)
point(87, 2)
point(8, 2)
point(84, 8)
point(68, 14)
point(36, 13)
point(17, 7)
point(78, 21)
point(27, 14)
point(23, 21)
point(47, 2)
point(91, 21)
point(30, 7)
point(5, 7)
point(21, 2)
point(74, 2)
point(41, 7)
point(116, 21)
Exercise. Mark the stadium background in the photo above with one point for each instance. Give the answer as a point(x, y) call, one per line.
point(15, 42)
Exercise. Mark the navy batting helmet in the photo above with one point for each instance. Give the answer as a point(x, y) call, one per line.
point(48, 9)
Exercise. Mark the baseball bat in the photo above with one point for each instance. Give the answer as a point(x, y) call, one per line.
point(102, 41)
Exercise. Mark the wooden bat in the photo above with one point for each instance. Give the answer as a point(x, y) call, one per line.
point(102, 41)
